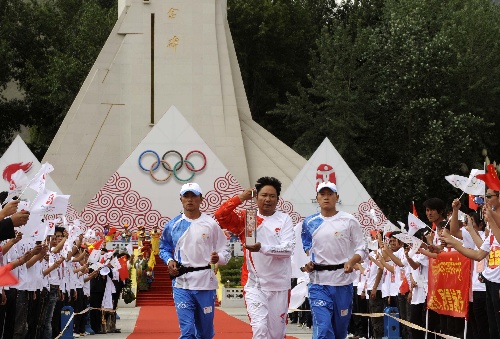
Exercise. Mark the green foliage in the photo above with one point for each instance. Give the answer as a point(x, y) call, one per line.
point(407, 91)
point(49, 47)
point(272, 41)
point(406, 96)
point(231, 272)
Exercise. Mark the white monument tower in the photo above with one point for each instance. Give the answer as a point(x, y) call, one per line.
point(162, 54)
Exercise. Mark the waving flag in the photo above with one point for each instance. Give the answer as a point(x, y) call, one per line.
point(472, 204)
point(51, 226)
point(410, 240)
point(6, 276)
point(94, 256)
point(490, 178)
point(50, 202)
point(90, 234)
point(95, 246)
point(390, 227)
point(414, 209)
point(414, 224)
point(123, 271)
point(38, 181)
point(17, 184)
point(33, 226)
point(474, 185)
point(23, 205)
point(456, 181)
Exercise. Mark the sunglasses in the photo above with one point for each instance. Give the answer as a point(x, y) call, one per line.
point(489, 196)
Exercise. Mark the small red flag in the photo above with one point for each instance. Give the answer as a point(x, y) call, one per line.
point(490, 178)
point(414, 212)
point(6, 276)
point(96, 245)
point(472, 204)
point(123, 271)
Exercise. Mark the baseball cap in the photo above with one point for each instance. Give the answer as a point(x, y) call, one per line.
point(327, 184)
point(191, 187)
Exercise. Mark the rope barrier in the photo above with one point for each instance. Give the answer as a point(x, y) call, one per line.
point(82, 312)
point(404, 322)
point(369, 315)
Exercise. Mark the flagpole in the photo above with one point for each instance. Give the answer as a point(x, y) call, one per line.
point(481, 210)
point(448, 221)
point(28, 185)
point(426, 322)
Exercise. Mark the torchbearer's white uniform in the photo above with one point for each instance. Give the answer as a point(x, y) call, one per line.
point(268, 286)
point(191, 242)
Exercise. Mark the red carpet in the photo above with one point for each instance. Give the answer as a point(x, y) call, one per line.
point(160, 322)
point(160, 293)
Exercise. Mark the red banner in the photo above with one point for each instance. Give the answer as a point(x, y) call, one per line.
point(449, 284)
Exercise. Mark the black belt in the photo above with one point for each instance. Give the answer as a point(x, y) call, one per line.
point(183, 269)
point(327, 267)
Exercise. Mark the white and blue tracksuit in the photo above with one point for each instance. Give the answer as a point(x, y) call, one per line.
point(191, 242)
point(331, 241)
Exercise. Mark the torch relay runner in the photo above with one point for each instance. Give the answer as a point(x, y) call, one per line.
point(188, 245)
point(334, 240)
point(266, 272)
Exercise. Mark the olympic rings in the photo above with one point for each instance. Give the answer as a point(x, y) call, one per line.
point(192, 168)
point(157, 160)
point(180, 156)
point(163, 162)
point(176, 168)
point(175, 172)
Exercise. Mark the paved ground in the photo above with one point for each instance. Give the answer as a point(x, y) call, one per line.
point(292, 329)
point(128, 317)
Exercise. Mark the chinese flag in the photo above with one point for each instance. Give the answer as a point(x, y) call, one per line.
point(414, 210)
point(472, 204)
point(96, 245)
point(6, 276)
point(123, 271)
point(490, 178)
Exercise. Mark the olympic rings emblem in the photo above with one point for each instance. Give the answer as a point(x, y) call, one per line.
point(175, 169)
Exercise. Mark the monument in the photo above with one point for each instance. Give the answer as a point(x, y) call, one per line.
point(162, 54)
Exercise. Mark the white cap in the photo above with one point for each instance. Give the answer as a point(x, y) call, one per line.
point(191, 187)
point(327, 184)
point(104, 270)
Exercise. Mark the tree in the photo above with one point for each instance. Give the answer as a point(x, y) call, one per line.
point(272, 40)
point(390, 94)
point(50, 47)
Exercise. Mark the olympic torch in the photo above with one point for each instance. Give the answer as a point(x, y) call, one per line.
point(251, 225)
